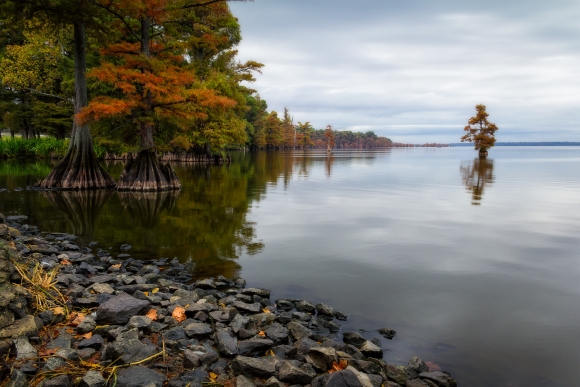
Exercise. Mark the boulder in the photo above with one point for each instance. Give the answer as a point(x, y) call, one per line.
point(353, 338)
point(322, 357)
point(197, 329)
point(137, 376)
point(242, 381)
point(415, 367)
point(24, 350)
point(344, 378)
point(254, 347)
point(294, 372)
point(441, 379)
point(387, 333)
point(226, 344)
point(119, 309)
point(92, 379)
point(261, 367)
point(371, 350)
point(277, 333)
point(26, 326)
point(298, 330)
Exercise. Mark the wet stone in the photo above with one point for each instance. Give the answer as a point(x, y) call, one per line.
point(254, 347)
point(226, 344)
point(387, 333)
point(294, 372)
point(371, 350)
point(120, 309)
point(441, 379)
point(261, 367)
point(298, 331)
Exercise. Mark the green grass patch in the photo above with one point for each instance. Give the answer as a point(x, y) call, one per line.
point(44, 147)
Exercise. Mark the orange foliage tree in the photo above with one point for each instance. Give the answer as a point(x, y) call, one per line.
point(480, 131)
point(154, 85)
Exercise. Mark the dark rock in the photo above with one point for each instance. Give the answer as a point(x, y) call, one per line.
point(197, 329)
point(139, 322)
point(48, 317)
point(396, 374)
point(376, 341)
point(257, 292)
point(353, 338)
point(92, 379)
point(87, 325)
point(86, 353)
point(332, 326)
point(57, 381)
point(242, 381)
point(368, 367)
point(302, 316)
point(239, 322)
point(322, 357)
point(52, 363)
point(284, 304)
point(254, 347)
point(387, 333)
point(354, 352)
point(244, 297)
point(412, 383)
point(205, 284)
point(344, 378)
point(220, 367)
point(320, 380)
point(125, 247)
point(415, 367)
point(261, 367)
point(295, 372)
point(18, 379)
point(226, 344)
point(64, 340)
point(191, 359)
point(119, 309)
point(225, 315)
point(24, 350)
point(192, 378)
point(441, 379)
point(251, 308)
point(298, 331)
point(376, 380)
point(175, 334)
point(95, 342)
point(6, 318)
point(68, 353)
point(26, 326)
point(277, 332)
point(128, 350)
point(324, 309)
point(370, 350)
point(305, 306)
point(331, 343)
point(137, 376)
point(273, 382)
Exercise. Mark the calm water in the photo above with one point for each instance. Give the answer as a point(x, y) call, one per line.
point(475, 263)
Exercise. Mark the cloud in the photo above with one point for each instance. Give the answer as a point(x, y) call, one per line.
point(414, 70)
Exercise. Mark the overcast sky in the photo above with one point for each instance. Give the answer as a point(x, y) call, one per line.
point(413, 70)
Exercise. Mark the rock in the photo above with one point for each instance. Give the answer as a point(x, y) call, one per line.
point(277, 332)
point(251, 308)
point(304, 345)
point(26, 326)
point(224, 316)
point(396, 374)
point(68, 353)
point(298, 331)
point(261, 367)
point(368, 367)
point(52, 363)
point(18, 379)
point(24, 350)
point(362, 377)
point(322, 357)
point(441, 379)
point(411, 383)
point(125, 247)
point(387, 333)
point(294, 372)
point(138, 376)
point(57, 381)
point(197, 330)
point(344, 378)
point(370, 350)
point(353, 338)
point(86, 353)
point(190, 359)
point(95, 342)
point(64, 340)
point(242, 381)
point(119, 309)
point(175, 334)
point(87, 325)
point(226, 344)
point(284, 352)
point(415, 367)
point(257, 292)
point(376, 380)
point(324, 309)
point(192, 378)
point(205, 284)
point(139, 322)
point(128, 351)
point(6, 318)
point(101, 288)
point(254, 347)
point(239, 322)
point(92, 379)
point(305, 306)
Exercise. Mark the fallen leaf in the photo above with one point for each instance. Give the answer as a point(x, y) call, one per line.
point(152, 314)
point(78, 319)
point(178, 314)
point(117, 266)
point(65, 262)
point(222, 305)
point(155, 290)
point(88, 335)
point(270, 353)
point(146, 293)
point(58, 310)
point(262, 333)
point(213, 376)
point(338, 366)
point(266, 310)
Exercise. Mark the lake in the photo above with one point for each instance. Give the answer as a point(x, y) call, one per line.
point(475, 263)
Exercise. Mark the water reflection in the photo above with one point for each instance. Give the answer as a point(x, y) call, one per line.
point(475, 176)
point(146, 207)
point(81, 209)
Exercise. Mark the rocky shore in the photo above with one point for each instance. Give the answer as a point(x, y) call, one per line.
point(129, 323)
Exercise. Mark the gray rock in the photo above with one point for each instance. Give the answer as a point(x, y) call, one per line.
point(64, 340)
point(87, 325)
point(95, 342)
point(137, 376)
point(324, 309)
point(304, 345)
point(24, 350)
point(192, 378)
point(411, 383)
point(294, 372)
point(261, 367)
point(387, 333)
point(353, 338)
point(305, 306)
point(57, 381)
point(415, 367)
point(239, 322)
point(26, 326)
point(242, 381)
point(207, 283)
point(226, 344)
point(119, 309)
point(298, 331)
point(370, 350)
point(68, 353)
point(191, 359)
point(92, 379)
point(175, 334)
point(376, 380)
point(396, 374)
point(86, 353)
point(284, 304)
point(128, 351)
point(441, 379)
point(53, 362)
point(257, 292)
point(362, 377)
point(139, 322)
point(277, 332)
point(225, 315)
point(197, 330)
point(18, 379)
point(344, 378)
point(368, 367)
point(6, 318)
point(254, 347)
point(322, 357)
point(251, 308)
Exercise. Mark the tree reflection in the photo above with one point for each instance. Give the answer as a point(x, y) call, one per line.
point(146, 207)
point(475, 177)
point(81, 208)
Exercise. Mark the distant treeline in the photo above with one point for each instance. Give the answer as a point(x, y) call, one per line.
point(536, 143)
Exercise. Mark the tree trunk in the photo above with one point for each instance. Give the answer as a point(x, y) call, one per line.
point(145, 173)
point(79, 169)
point(482, 153)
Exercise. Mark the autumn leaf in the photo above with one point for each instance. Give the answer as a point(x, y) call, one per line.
point(58, 310)
point(152, 314)
point(88, 335)
point(78, 319)
point(270, 353)
point(262, 333)
point(117, 266)
point(212, 376)
point(178, 314)
point(65, 262)
point(155, 290)
point(338, 366)
point(266, 310)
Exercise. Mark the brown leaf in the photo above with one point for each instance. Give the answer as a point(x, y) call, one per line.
point(212, 376)
point(152, 314)
point(178, 314)
point(88, 335)
point(155, 290)
point(78, 319)
point(338, 366)
point(262, 333)
point(58, 310)
point(117, 266)
point(266, 310)
point(65, 262)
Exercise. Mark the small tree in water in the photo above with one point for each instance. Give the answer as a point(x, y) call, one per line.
point(480, 131)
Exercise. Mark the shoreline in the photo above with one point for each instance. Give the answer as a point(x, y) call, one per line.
point(145, 323)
